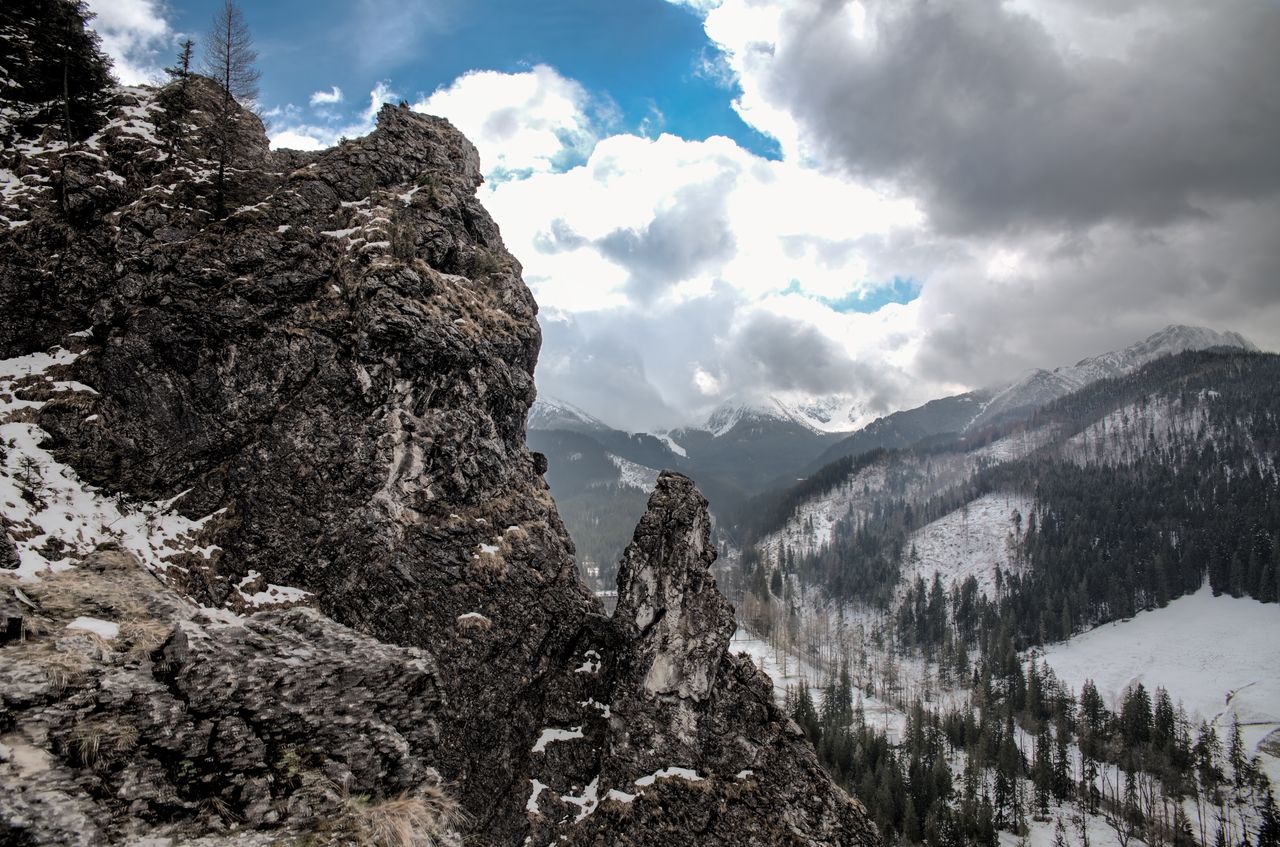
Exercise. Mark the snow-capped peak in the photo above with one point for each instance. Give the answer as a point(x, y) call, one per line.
point(1041, 386)
point(833, 413)
point(551, 413)
point(1177, 339)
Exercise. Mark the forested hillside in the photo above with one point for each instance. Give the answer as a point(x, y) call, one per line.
point(953, 559)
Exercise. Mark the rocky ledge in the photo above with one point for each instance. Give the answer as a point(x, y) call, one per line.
point(296, 435)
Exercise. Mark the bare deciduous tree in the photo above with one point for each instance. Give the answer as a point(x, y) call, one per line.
point(230, 59)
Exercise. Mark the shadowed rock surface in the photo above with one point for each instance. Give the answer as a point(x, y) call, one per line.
point(331, 383)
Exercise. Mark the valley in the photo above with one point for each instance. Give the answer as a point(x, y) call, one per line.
point(917, 595)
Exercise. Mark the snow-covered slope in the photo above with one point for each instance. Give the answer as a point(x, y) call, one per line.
point(51, 514)
point(902, 474)
point(634, 475)
point(1218, 655)
point(1129, 433)
point(972, 541)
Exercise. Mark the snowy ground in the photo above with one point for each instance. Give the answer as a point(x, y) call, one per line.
point(54, 517)
point(787, 670)
point(634, 475)
point(1217, 655)
point(971, 541)
point(1042, 833)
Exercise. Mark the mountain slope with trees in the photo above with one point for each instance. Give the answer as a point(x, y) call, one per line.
point(1137, 490)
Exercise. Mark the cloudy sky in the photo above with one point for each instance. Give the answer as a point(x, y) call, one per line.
point(885, 200)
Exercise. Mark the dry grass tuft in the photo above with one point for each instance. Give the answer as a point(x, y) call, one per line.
point(144, 637)
point(102, 645)
point(67, 594)
point(490, 564)
point(34, 626)
point(216, 806)
point(102, 740)
point(410, 820)
point(62, 669)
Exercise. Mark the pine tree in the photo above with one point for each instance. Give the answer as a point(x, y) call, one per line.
point(229, 60)
point(1042, 770)
point(1135, 717)
point(1163, 726)
point(805, 714)
point(1061, 763)
point(175, 98)
point(1268, 819)
point(58, 76)
point(1235, 752)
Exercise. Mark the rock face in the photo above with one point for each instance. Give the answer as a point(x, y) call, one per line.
point(321, 400)
point(677, 623)
point(283, 716)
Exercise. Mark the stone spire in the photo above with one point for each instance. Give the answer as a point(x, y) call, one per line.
point(679, 624)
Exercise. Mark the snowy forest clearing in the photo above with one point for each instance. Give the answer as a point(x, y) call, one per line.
point(971, 541)
point(787, 671)
point(1217, 655)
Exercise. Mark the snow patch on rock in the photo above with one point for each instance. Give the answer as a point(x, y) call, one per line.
point(54, 516)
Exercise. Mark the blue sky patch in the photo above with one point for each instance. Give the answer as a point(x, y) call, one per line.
point(900, 290)
point(642, 59)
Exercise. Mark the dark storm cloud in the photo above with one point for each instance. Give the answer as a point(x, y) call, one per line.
point(974, 107)
point(773, 352)
point(1087, 295)
point(682, 241)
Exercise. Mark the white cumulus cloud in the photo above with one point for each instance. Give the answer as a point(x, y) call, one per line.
point(136, 35)
point(522, 123)
point(327, 98)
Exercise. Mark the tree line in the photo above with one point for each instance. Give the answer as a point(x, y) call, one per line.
point(60, 82)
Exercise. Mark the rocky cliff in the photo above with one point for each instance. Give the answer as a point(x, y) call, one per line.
point(280, 563)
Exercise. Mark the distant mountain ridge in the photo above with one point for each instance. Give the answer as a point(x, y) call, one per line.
point(971, 412)
point(1042, 386)
point(549, 413)
point(821, 415)
point(750, 447)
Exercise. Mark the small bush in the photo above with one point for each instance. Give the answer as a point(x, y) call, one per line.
point(484, 263)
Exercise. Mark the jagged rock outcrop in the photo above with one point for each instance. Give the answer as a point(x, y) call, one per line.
point(321, 400)
point(692, 748)
point(677, 624)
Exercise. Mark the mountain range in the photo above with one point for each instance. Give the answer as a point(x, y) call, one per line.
point(745, 448)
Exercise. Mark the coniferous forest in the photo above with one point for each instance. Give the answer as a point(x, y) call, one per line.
point(1153, 485)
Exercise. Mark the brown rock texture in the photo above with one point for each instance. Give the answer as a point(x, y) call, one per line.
point(334, 381)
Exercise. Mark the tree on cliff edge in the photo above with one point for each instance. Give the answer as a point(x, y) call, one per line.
point(229, 59)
